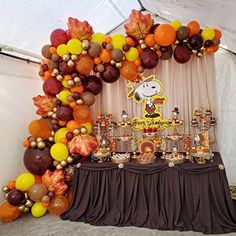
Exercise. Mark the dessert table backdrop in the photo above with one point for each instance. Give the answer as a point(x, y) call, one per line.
point(187, 86)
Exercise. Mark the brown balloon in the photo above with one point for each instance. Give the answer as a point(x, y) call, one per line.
point(88, 98)
point(52, 64)
point(37, 161)
point(167, 54)
point(149, 59)
point(111, 73)
point(37, 191)
point(46, 51)
point(94, 49)
point(58, 205)
point(93, 84)
point(182, 33)
point(182, 54)
point(117, 55)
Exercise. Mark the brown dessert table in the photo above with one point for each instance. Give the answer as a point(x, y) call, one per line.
point(187, 196)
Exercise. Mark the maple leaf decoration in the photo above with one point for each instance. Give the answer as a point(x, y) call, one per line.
point(139, 25)
point(83, 145)
point(54, 181)
point(44, 103)
point(79, 29)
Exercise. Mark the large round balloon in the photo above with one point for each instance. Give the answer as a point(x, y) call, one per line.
point(39, 128)
point(74, 46)
point(58, 36)
point(182, 54)
point(128, 70)
point(46, 51)
point(194, 27)
point(118, 40)
point(149, 58)
point(37, 191)
point(165, 35)
point(195, 41)
point(208, 34)
point(61, 133)
point(93, 84)
point(94, 49)
point(111, 73)
point(81, 112)
point(24, 181)
point(117, 55)
point(167, 54)
point(62, 96)
point(16, 197)
point(182, 33)
point(52, 86)
point(88, 98)
point(84, 65)
point(59, 151)
point(58, 205)
point(37, 161)
point(64, 113)
point(38, 209)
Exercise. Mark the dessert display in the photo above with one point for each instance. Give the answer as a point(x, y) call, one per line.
point(120, 157)
point(203, 121)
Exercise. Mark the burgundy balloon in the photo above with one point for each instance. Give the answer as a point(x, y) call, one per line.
point(65, 69)
point(93, 84)
point(64, 113)
point(16, 197)
point(182, 54)
point(195, 41)
point(111, 73)
point(167, 54)
point(208, 43)
point(149, 59)
point(37, 161)
point(58, 36)
point(52, 86)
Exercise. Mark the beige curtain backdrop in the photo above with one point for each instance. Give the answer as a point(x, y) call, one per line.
point(188, 86)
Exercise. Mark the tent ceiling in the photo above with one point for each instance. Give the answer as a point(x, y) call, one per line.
point(27, 24)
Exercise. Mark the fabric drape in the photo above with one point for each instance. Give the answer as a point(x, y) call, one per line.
point(184, 197)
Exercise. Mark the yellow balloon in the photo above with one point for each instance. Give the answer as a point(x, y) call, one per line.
point(24, 181)
point(118, 40)
point(59, 151)
point(63, 96)
point(74, 46)
point(98, 38)
point(176, 24)
point(38, 209)
point(132, 54)
point(88, 126)
point(208, 34)
point(62, 50)
point(61, 133)
point(64, 83)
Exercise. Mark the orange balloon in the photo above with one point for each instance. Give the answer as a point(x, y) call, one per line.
point(210, 49)
point(81, 112)
point(8, 212)
point(165, 35)
point(128, 70)
point(58, 205)
point(78, 89)
point(84, 65)
point(72, 124)
point(39, 128)
point(150, 40)
point(105, 56)
point(218, 34)
point(194, 27)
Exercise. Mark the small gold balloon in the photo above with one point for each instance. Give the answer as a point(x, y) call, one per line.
point(143, 45)
point(84, 52)
point(54, 116)
point(41, 145)
point(21, 208)
point(55, 71)
point(70, 82)
point(63, 163)
point(50, 139)
point(50, 113)
point(76, 131)
point(70, 159)
point(141, 41)
point(83, 130)
point(54, 109)
point(29, 203)
point(59, 167)
point(5, 196)
point(26, 209)
point(77, 79)
point(59, 77)
point(113, 62)
point(66, 57)
point(52, 133)
point(5, 189)
point(80, 101)
point(33, 144)
point(74, 57)
point(55, 163)
point(70, 63)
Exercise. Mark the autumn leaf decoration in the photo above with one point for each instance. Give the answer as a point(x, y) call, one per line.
point(44, 103)
point(139, 25)
point(78, 29)
point(54, 181)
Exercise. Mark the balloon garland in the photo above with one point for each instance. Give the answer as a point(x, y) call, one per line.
point(62, 136)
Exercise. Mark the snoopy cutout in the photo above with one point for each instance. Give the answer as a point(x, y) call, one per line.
point(148, 91)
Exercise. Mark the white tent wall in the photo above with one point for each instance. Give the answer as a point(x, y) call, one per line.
point(226, 106)
point(19, 83)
